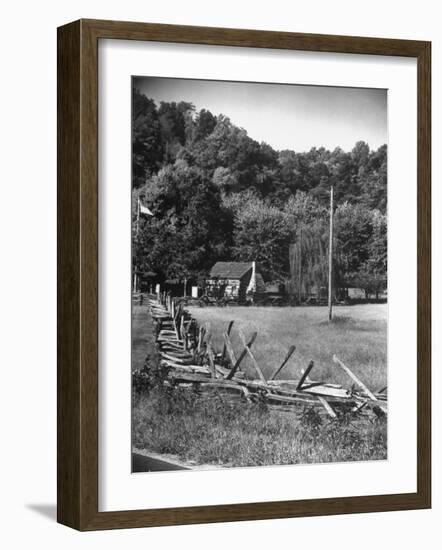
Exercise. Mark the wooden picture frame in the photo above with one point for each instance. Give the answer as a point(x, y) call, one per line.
point(78, 274)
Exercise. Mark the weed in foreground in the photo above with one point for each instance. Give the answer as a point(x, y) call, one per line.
point(213, 428)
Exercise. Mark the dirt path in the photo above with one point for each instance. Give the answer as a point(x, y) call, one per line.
point(143, 337)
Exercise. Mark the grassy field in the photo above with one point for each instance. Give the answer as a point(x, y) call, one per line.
point(357, 335)
point(212, 431)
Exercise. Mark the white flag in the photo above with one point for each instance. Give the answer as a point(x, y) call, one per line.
point(144, 209)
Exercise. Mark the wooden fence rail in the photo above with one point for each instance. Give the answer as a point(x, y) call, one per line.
point(189, 359)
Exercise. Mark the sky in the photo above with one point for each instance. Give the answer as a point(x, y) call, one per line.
point(286, 116)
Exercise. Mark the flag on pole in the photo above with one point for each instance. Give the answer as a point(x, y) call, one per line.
point(144, 209)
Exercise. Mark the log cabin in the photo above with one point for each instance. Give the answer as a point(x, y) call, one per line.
point(235, 281)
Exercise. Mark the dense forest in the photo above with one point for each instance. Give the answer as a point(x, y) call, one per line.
point(217, 194)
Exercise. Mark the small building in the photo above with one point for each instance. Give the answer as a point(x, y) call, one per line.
point(236, 281)
point(356, 293)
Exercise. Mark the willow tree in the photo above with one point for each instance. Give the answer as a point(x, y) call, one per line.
point(308, 256)
point(308, 245)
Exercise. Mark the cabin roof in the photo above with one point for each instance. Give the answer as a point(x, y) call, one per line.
point(230, 270)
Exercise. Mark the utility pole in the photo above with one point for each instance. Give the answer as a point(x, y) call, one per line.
point(330, 258)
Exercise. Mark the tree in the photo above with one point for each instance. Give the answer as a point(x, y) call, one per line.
point(374, 181)
point(303, 209)
point(218, 194)
point(370, 283)
point(353, 231)
point(225, 179)
point(378, 244)
point(375, 269)
point(308, 227)
point(189, 230)
point(205, 123)
point(147, 148)
point(229, 147)
point(361, 247)
point(261, 234)
point(176, 122)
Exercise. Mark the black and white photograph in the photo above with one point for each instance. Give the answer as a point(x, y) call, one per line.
point(259, 274)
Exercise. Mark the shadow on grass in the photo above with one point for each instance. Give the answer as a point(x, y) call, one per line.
point(340, 320)
point(343, 321)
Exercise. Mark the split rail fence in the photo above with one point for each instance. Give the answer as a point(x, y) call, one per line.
point(190, 360)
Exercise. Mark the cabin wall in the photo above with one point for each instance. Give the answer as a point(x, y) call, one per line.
point(234, 289)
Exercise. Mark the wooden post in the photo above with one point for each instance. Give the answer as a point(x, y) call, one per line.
point(354, 378)
point(211, 358)
point(327, 406)
point(287, 357)
point(305, 375)
point(182, 331)
point(201, 335)
point(247, 346)
point(252, 357)
point(330, 258)
point(229, 349)
point(229, 328)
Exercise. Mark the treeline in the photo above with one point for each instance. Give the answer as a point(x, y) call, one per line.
point(217, 194)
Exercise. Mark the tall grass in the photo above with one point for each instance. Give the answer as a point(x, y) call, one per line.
point(218, 432)
point(357, 335)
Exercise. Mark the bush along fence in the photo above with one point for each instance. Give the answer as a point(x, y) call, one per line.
point(187, 359)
